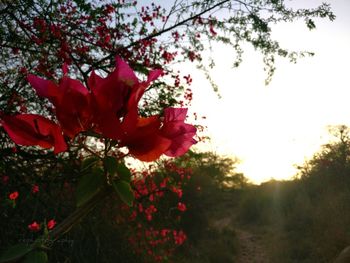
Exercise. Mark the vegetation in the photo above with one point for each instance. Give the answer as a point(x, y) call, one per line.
point(307, 219)
point(69, 80)
point(302, 220)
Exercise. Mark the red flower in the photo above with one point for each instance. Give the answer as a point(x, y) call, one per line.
point(32, 129)
point(35, 227)
point(13, 195)
point(71, 100)
point(164, 232)
point(110, 109)
point(51, 224)
point(116, 85)
point(126, 90)
point(144, 141)
point(181, 207)
point(35, 189)
point(179, 237)
point(74, 112)
point(180, 133)
point(148, 138)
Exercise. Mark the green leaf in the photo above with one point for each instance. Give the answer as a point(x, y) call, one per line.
point(110, 164)
point(310, 24)
point(15, 252)
point(124, 172)
point(88, 163)
point(124, 191)
point(134, 22)
point(113, 168)
point(36, 257)
point(89, 185)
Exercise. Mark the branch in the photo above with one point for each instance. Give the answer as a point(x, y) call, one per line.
point(110, 56)
point(78, 215)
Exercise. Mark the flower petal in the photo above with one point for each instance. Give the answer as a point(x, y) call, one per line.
point(145, 142)
point(45, 88)
point(32, 129)
point(73, 111)
point(153, 75)
point(175, 114)
point(125, 73)
point(180, 133)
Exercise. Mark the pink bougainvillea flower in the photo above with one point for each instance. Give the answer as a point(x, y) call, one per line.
point(51, 224)
point(111, 109)
point(144, 141)
point(151, 138)
point(180, 133)
point(111, 93)
point(35, 227)
point(71, 100)
point(32, 129)
point(13, 195)
point(116, 97)
point(45, 88)
point(131, 117)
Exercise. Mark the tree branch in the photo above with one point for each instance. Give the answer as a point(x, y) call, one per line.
point(161, 32)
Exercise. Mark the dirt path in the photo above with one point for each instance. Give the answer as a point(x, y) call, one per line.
point(250, 249)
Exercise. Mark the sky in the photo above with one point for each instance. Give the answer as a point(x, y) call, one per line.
point(273, 128)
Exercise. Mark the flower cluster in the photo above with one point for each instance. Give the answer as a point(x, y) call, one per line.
point(153, 223)
point(108, 107)
point(35, 226)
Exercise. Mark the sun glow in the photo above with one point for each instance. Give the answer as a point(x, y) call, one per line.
point(272, 128)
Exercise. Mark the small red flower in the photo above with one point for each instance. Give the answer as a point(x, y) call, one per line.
point(164, 232)
point(35, 227)
point(14, 195)
point(179, 237)
point(51, 224)
point(181, 207)
point(35, 189)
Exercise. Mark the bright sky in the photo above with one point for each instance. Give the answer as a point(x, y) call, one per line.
point(271, 128)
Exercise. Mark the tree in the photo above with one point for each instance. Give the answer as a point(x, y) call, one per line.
point(38, 36)
point(332, 161)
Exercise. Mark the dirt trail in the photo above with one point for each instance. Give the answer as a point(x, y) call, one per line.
point(250, 248)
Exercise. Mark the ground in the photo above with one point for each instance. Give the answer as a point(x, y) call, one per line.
point(250, 245)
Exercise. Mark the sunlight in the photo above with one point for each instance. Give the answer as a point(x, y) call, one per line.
point(272, 128)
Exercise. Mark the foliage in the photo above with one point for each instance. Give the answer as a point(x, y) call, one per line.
point(209, 199)
point(305, 220)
